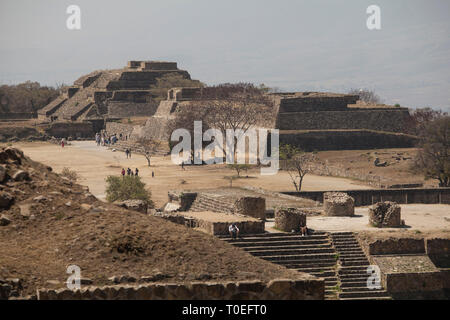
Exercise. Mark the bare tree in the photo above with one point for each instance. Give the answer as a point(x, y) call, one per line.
point(433, 157)
point(367, 96)
point(149, 146)
point(227, 106)
point(297, 164)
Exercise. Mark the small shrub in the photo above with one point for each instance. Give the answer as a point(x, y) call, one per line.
point(69, 174)
point(127, 188)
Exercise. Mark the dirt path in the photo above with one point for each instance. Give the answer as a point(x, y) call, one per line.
point(93, 164)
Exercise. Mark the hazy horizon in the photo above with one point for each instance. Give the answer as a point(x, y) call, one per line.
point(293, 45)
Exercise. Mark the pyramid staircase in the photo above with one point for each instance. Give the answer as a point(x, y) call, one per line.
point(336, 257)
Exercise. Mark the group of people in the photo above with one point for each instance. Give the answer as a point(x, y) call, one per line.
point(103, 139)
point(130, 172)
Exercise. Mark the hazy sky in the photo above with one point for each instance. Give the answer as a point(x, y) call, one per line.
point(293, 45)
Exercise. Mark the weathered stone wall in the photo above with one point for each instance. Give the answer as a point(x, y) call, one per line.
point(251, 206)
point(338, 204)
point(155, 128)
point(118, 109)
point(438, 249)
point(119, 128)
point(385, 214)
point(345, 140)
point(17, 115)
point(279, 289)
point(71, 129)
point(221, 228)
point(396, 246)
point(390, 120)
point(314, 104)
point(410, 276)
point(289, 219)
point(371, 196)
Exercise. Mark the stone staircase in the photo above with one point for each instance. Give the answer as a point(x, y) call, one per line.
point(352, 271)
point(337, 258)
point(313, 254)
point(208, 202)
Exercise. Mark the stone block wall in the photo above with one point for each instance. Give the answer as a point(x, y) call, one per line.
point(338, 204)
point(289, 219)
point(278, 289)
point(313, 104)
point(371, 196)
point(119, 128)
point(71, 129)
point(251, 206)
point(345, 140)
point(389, 120)
point(117, 109)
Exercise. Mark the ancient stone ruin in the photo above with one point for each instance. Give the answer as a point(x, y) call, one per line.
point(338, 204)
point(251, 206)
point(385, 214)
point(289, 219)
point(110, 95)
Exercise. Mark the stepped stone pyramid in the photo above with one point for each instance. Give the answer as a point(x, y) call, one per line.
point(111, 94)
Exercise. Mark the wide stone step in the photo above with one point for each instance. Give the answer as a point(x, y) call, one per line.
point(276, 243)
point(353, 284)
point(362, 288)
point(302, 257)
point(271, 246)
point(252, 238)
point(322, 263)
point(353, 277)
point(323, 274)
point(304, 263)
point(355, 263)
point(368, 298)
point(278, 252)
point(364, 294)
point(316, 269)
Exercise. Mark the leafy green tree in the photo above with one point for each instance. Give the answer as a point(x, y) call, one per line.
point(127, 188)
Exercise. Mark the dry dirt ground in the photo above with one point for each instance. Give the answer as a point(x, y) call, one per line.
point(54, 223)
point(418, 217)
point(94, 164)
point(398, 169)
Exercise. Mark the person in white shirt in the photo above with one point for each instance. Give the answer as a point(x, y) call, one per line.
point(233, 230)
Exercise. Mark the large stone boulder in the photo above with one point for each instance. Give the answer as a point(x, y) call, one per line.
point(21, 175)
point(251, 206)
point(288, 219)
point(4, 220)
point(338, 204)
point(385, 214)
point(6, 200)
point(136, 205)
point(2, 174)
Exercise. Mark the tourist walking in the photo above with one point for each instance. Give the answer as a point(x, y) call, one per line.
point(128, 172)
point(127, 152)
point(62, 142)
point(123, 172)
point(136, 172)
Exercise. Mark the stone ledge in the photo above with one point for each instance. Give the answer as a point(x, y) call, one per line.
point(306, 289)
